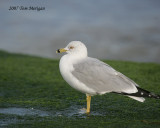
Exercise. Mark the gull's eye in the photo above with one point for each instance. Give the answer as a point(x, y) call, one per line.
point(71, 47)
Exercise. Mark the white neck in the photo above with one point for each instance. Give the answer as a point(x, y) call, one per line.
point(74, 57)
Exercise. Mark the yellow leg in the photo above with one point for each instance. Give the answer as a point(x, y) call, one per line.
point(88, 104)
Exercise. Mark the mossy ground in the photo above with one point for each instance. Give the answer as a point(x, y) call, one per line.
point(27, 81)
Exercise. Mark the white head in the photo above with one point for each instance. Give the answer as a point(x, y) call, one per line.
point(75, 48)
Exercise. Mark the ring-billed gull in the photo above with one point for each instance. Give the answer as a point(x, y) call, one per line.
point(92, 76)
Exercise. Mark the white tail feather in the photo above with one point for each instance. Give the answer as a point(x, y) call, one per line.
point(140, 99)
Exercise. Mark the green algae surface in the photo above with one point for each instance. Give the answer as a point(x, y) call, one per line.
point(34, 90)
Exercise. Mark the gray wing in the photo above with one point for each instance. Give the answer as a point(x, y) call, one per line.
point(101, 77)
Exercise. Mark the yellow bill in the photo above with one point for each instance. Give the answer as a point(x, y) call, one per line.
point(61, 50)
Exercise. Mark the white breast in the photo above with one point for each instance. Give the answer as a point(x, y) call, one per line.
point(66, 67)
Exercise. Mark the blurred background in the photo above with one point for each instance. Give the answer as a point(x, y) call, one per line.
point(111, 29)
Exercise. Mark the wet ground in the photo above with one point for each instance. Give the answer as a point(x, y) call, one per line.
point(33, 94)
point(73, 111)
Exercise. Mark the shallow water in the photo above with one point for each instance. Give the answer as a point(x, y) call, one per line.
point(23, 111)
point(69, 112)
point(73, 111)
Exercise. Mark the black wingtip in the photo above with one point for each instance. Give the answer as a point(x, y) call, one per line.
point(142, 93)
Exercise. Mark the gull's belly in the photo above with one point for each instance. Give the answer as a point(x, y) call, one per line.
point(76, 84)
point(66, 72)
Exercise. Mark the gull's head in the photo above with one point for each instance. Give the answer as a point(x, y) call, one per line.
point(74, 48)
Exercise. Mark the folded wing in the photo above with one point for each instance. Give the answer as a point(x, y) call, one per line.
point(101, 77)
